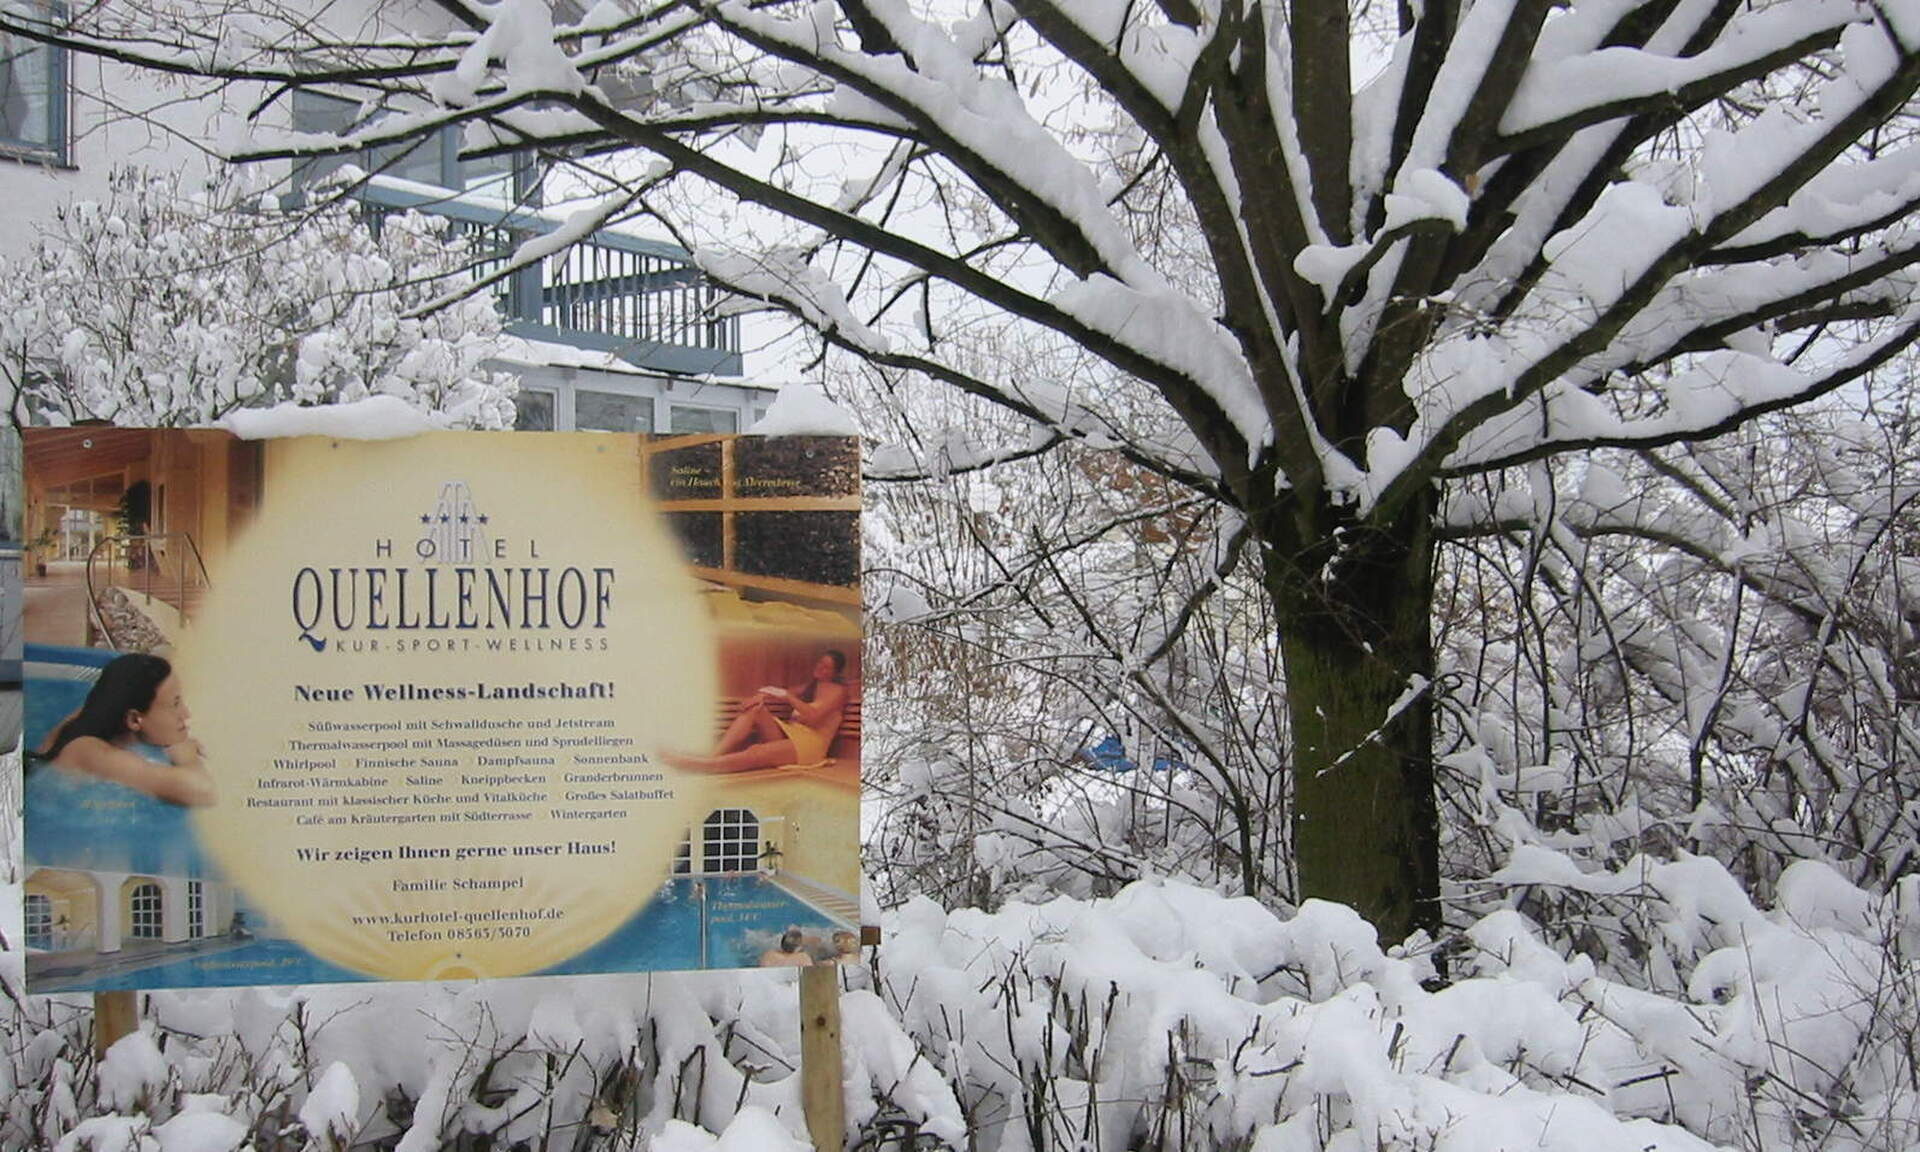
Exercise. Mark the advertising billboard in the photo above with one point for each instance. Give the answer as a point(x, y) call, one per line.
point(455, 706)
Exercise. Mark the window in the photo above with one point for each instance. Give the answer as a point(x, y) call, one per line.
point(33, 93)
point(730, 841)
point(433, 159)
point(533, 411)
point(691, 418)
point(500, 176)
point(411, 159)
point(196, 909)
point(39, 920)
point(611, 412)
point(683, 857)
point(146, 912)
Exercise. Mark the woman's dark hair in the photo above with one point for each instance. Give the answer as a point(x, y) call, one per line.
point(128, 684)
point(839, 659)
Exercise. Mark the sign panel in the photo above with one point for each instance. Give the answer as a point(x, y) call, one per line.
point(456, 706)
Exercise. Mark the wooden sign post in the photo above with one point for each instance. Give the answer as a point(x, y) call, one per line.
point(116, 1014)
point(822, 1073)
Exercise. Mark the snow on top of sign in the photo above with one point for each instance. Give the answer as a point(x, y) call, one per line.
point(375, 418)
point(804, 410)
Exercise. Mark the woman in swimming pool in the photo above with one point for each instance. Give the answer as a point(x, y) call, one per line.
point(759, 739)
point(132, 730)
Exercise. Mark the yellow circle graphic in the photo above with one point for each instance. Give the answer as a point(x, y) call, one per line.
point(433, 678)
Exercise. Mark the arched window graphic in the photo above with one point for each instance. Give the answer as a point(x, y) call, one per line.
point(39, 925)
point(146, 913)
point(683, 857)
point(730, 841)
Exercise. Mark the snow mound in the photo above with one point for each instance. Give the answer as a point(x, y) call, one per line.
point(753, 1130)
point(1302, 1033)
point(133, 1072)
point(1098, 1022)
point(333, 1107)
point(201, 1132)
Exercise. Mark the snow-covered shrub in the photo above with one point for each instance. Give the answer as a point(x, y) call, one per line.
point(161, 305)
point(1708, 649)
point(1169, 1017)
point(594, 1063)
point(1074, 601)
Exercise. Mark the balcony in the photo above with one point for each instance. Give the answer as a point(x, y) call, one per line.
point(642, 300)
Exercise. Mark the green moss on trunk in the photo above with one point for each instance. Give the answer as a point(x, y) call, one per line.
point(1354, 604)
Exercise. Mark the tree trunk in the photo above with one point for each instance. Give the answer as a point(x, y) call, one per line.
point(1354, 604)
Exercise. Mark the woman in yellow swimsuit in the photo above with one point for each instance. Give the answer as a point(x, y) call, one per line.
point(759, 739)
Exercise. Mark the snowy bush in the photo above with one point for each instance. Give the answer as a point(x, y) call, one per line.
point(163, 305)
point(1165, 1017)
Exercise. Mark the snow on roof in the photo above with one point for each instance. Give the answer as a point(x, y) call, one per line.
point(551, 354)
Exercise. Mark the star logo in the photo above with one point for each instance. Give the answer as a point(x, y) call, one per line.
point(452, 532)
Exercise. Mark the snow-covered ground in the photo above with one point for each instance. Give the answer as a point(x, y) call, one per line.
point(1165, 1017)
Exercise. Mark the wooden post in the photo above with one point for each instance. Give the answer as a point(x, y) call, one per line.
point(822, 1091)
point(115, 1014)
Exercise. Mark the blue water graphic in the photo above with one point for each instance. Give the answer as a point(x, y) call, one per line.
point(83, 822)
point(254, 962)
point(745, 915)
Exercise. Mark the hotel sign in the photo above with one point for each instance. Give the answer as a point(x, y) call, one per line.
point(457, 706)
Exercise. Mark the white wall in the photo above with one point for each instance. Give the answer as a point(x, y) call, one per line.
point(121, 117)
point(118, 120)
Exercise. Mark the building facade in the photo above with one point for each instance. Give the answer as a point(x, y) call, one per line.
point(618, 333)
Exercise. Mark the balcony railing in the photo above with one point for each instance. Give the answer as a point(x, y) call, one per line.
point(641, 299)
